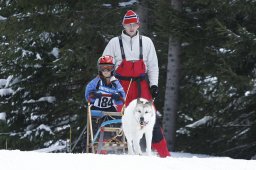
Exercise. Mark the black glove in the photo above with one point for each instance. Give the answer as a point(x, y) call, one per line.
point(154, 91)
point(116, 96)
point(96, 94)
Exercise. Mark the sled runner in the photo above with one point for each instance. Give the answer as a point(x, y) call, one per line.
point(108, 136)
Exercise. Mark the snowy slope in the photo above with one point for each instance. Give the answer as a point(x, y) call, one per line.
point(14, 160)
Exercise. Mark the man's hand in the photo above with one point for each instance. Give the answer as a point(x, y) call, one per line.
point(154, 91)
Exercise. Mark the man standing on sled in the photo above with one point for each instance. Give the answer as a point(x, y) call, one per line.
point(135, 56)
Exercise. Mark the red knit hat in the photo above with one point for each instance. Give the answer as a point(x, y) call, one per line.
point(131, 17)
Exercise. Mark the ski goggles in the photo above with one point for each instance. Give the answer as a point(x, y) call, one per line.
point(106, 68)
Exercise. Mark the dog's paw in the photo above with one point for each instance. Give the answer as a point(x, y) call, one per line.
point(138, 152)
point(130, 151)
point(149, 153)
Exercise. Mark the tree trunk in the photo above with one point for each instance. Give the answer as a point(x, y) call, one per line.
point(142, 11)
point(172, 86)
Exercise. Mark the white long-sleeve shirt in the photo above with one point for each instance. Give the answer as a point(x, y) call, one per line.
point(132, 52)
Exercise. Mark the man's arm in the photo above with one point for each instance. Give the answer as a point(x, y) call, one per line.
point(152, 64)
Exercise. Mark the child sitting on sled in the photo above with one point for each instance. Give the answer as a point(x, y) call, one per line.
point(105, 91)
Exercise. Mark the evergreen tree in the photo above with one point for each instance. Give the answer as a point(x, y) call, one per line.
point(50, 49)
point(221, 82)
point(217, 75)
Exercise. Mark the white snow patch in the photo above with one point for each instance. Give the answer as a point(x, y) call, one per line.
point(38, 57)
point(49, 99)
point(45, 37)
point(2, 18)
point(26, 52)
point(6, 92)
point(223, 50)
point(107, 5)
point(3, 116)
point(2, 82)
point(29, 101)
point(8, 80)
point(129, 3)
point(200, 122)
point(247, 93)
point(183, 131)
point(46, 128)
point(29, 160)
point(59, 145)
point(27, 133)
point(61, 128)
point(34, 117)
point(55, 52)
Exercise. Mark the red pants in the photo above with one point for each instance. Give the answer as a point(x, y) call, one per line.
point(132, 92)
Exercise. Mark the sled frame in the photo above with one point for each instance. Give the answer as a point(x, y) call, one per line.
point(95, 142)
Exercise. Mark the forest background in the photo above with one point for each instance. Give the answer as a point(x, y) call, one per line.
point(49, 49)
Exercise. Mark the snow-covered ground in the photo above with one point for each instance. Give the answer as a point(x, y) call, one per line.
point(33, 160)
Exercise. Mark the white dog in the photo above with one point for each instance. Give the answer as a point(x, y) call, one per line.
point(139, 118)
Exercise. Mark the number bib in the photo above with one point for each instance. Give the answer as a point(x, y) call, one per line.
point(103, 102)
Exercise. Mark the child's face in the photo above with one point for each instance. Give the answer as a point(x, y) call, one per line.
point(106, 69)
point(106, 73)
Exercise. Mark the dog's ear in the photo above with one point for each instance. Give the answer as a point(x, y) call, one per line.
point(139, 101)
point(150, 102)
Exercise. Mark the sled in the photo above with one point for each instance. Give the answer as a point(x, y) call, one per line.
point(109, 137)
